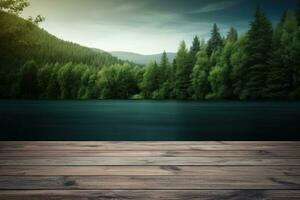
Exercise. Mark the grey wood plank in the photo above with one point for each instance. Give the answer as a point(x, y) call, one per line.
point(42, 146)
point(101, 161)
point(149, 170)
point(149, 182)
point(154, 153)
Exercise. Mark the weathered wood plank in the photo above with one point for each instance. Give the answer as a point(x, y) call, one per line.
point(137, 146)
point(152, 194)
point(157, 153)
point(101, 161)
point(148, 182)
point(149, 170)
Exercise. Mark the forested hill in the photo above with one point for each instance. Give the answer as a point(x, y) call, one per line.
point(22, 40)
point(35, 64)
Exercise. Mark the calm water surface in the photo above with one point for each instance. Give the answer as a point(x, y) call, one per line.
point(148, 120)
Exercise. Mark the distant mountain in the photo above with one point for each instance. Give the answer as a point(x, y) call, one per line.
point(139, 58)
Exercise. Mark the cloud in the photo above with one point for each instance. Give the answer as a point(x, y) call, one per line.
point(146, 26)
point(215, 7)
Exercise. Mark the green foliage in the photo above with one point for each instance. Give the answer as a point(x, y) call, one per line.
point(220, 77)
point(117, 82)
point(282, 62)
point(237, 60)
point(216, 80)
point(215, 42)
point(28, 84)
point(22, 40)
point(183, 72)
point(263, 64)
point(195, 48)
point(151, 80)
point(38, 19)
point(13, 6)
point(298, 11)
point(258, 52)
point(232, 35)
point(200, 75)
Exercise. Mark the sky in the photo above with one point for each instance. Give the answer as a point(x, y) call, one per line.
point(147, 26)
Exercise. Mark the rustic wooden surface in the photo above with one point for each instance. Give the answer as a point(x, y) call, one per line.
point(149, 170)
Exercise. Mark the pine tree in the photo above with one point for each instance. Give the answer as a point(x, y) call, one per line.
point(258, 53)
point(280, 76)
point(237, 60)
point(215, 42)
point(220, 76)
point(296, 77)
point(232, 35)
point(163, 68)
point(29, 81)
point(290, 55)
point(150, 81)
point(182, 82)
point(195, 48)
point(164, 72)
point(298, 12)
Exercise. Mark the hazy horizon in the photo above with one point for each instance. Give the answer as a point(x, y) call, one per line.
point(146, 26)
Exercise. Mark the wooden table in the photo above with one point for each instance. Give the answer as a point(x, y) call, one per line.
point(149, 170)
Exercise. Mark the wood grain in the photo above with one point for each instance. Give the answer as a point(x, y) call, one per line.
point(149, 182)
point(149, 170)
point(145, 161)
point(164, 170)
point(154, 153)
point(151, 195)
point(137, 146)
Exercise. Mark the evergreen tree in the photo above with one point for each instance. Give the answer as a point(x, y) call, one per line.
point(29, 81)
point(232, 35)
point(258, 53)
point(298, 12)
point(164, 79)
point(215, 42)
point(296, 77)
point(200, 75)
point(195, 48)
point(220, 76)
point(290, 47)
point(53, 88)
point(280, 76)
point(163, 68)
point(150, 80)
point(43, 76)
point(66, 81)
point(182, 82)
point(172, 80)
point(237, 60)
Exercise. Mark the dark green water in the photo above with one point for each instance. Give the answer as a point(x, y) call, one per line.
point(148, 120)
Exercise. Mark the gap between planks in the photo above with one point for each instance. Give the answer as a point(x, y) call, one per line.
point(152, 194)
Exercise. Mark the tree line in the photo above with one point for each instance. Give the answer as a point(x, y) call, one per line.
point(261, 64)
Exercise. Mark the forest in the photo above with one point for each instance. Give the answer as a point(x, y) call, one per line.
point(261, 64)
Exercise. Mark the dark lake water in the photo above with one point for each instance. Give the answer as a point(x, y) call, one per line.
point(148, 120)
